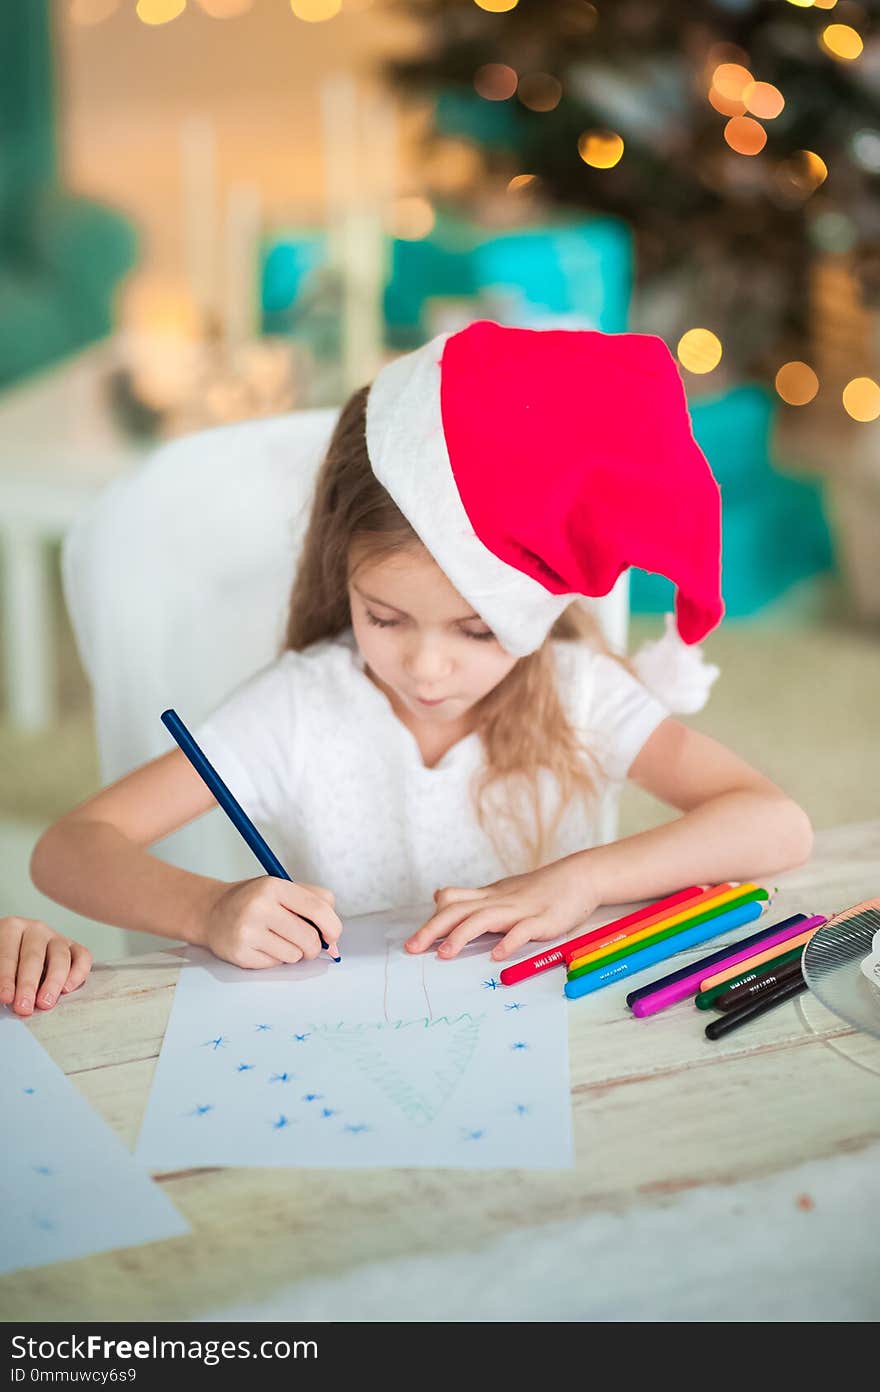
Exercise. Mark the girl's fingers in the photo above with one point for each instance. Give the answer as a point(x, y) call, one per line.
point(442, 923)
point(491, 920)
point(31, 960)
point(525, 931)
point(11, 931)
point(57, 969)
point(80, 966)
point(318, 910)
point(283, 947)
point(454, 894)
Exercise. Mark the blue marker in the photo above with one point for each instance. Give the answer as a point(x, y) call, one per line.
point(636, 961)
point(232, 807)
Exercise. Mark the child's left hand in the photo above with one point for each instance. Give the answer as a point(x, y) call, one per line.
point(545, 904)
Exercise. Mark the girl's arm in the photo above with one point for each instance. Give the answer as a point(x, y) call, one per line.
point(737, 825)
point(95, 860)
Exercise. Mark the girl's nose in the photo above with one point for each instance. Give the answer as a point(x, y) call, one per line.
point(427, 662)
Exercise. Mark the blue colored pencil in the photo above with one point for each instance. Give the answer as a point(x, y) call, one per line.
point(647, 956)
point(232, 807)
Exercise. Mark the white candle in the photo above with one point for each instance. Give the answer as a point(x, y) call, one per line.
point(241, 242)
point(198, 198)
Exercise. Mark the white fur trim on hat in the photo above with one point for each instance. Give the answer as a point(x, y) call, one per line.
point(407, 449)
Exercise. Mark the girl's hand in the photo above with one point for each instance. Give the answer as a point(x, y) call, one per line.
point(38, 965)
point(545, 904)
point(254, 923)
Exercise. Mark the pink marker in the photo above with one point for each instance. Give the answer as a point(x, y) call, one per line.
point(653, 1001)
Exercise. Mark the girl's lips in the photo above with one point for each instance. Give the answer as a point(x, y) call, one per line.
point(439, 702)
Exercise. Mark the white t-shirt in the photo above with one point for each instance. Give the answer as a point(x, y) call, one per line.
point(335, 781)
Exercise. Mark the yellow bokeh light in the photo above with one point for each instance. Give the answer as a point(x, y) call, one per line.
point(745, 136)
point(495, 81)
point(520, 181)
point(764, 100)
point(824, 4)
point(315, 11)
point(540, 91)
point(159, 11)
point(600, 149)
point(861, 399)
point(816, 166)
point(91, 11)
point(841, 41)
point(413, 219)
point(699, 350)
point(731, 80)
point(796, 383)
point(802, 4)
point(497, 6)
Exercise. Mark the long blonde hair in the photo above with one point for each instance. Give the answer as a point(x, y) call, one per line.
point(351, 505)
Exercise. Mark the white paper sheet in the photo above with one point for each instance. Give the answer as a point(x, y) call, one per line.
point(68, 1186)
point(385, 1059)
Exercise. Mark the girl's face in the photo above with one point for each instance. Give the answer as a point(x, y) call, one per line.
point(422, 643)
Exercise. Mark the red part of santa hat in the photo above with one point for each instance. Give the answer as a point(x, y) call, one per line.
point(536, 465)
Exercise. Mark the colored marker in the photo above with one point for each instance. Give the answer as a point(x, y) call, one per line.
point(638, 961)
point(232, 807)
point(727, 974)
point(645, 936)
point(736, 996)
point(734, 1018)
point(555, 956)
point(739, 957)
point(614, 933)
point(705, 1000)
point(746, 946)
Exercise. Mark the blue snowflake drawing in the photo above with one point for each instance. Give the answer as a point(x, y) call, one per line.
point(357, 1128)
point(245, 1067)
point(218, 1043)
point(42, 1169)
point(281, 1123)
point(491, 985)
point(202, 1109)
point(45, 1224)
point(515, 1005)
point(263, 1027)
point(312, 1096)
point(472, 1135)
point(29, 1092)
point(282, 1077)
point(521, 1109)
point(327, 1112)
point(301, 1038)
point(520, 1044)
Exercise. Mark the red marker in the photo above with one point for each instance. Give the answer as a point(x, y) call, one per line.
point(556, 956)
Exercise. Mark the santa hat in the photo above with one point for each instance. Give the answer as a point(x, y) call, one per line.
point(536, 465)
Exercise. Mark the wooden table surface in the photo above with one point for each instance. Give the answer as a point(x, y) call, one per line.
point(659, 1112)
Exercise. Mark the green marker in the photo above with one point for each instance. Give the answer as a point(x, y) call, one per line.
point(704, 1000)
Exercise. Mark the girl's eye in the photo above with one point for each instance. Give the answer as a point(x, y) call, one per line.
point(381, 623)
point(485, 637)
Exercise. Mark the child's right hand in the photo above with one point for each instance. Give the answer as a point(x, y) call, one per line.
point(253, 923)
point(38, 965)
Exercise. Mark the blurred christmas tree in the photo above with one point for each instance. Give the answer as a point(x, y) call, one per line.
point(740, 139)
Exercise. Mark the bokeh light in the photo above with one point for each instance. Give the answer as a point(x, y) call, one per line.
point(159, 11)
point(764, 100)
point(796, 383)
point(413, 218)
point(315, 11)
point(728, 106)
point(521, 181)
point(745, 135)
point(861, 399)
point(600, 149)
point(495, 81)
point(731, 80)
point(841, 41)
point(539, 91)
point(699, 350)
point(496, 6)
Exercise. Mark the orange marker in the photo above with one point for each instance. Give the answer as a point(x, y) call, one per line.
point(742, 967)
point(715, 900)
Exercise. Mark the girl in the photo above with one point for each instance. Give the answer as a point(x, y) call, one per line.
point(442, 712)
